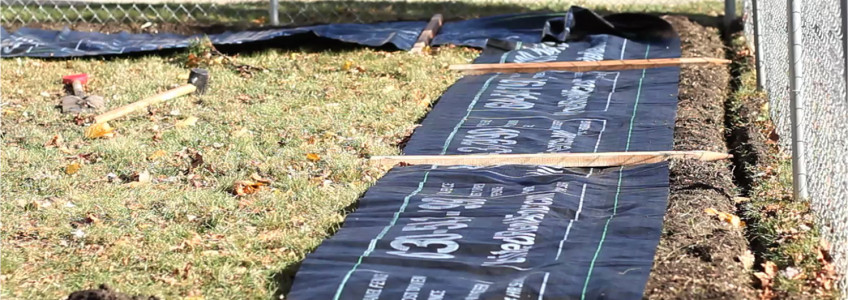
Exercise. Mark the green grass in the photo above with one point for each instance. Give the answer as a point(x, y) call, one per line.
point(266, 125)
point(781, 230)
point(185, 234)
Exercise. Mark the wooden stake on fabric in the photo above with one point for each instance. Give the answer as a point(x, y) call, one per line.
point(586, 66)
point(605, 159)
point(427, 34)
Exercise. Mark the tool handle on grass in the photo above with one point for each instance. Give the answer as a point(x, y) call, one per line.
point(129, 108)
point(78, 89)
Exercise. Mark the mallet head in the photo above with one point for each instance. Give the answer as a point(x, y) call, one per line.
point(69, 79)
point(199, 78)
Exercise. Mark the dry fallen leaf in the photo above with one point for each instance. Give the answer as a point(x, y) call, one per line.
point(246, 187)
point(313, 157)
point(747, 259)
point(347, 65)
point(770, 269)
point(56, 141)
point(72, 168)
point(726, 217)
point(189, 121)
point(99, 130)
point(157, 154)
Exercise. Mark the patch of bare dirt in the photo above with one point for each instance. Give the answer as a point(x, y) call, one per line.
point(105, 293)
point(697, 257)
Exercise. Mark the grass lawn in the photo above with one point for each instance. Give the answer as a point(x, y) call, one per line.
point(185, 233)
point(308, 124)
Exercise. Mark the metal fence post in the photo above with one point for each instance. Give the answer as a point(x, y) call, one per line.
point(843, 7)
point(729, 13)
point(758, 64)
point(796, 101)
point(274, 12)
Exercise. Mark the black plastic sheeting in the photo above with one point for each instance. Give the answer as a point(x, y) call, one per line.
point(557, 112)
point(520, 232)
point(504, 232)
point(525, 28)
point(66, 43)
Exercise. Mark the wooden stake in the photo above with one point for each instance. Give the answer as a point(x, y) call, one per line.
point(585, 66)
point(427, 34)
point(605, 159)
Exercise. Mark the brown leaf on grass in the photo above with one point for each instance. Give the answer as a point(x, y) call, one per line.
point(247, 187)
point(189, 243)
point(92, 218)
point(99, 130)
point(258, 178)
point(56, 141)
point(157, 154)
point(770, 269)
point(72, 168)
point(189, 121)
point(313, 157)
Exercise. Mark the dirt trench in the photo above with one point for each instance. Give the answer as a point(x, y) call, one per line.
point(697, 254)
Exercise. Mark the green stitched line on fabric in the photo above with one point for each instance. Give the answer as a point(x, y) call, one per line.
point(385, 230)
point(470, 108)
point(618, 188)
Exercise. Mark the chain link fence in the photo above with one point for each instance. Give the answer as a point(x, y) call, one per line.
point(302, 12)
point(822, 62)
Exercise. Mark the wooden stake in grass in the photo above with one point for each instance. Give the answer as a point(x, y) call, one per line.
point(586, 66)
point(427, 34)
point(605, 159)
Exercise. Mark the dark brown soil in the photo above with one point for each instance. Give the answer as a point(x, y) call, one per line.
point(697, 254)
point(105, 293)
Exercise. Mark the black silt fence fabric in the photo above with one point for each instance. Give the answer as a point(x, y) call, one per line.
point(557, 112)
point(504, 232)
point(520, 232)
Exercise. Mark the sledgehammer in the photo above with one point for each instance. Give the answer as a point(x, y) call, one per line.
point(198, 80)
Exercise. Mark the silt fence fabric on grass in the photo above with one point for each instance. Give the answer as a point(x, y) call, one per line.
point(556, 112)
point(506, 232)
point(528, 28)
point(518, 232)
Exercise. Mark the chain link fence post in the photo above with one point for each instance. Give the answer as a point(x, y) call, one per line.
point(796, 101)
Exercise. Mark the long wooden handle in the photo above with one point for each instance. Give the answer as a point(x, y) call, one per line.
point(79, 91)
point(605, 159)
point(129, 108)
point(586, 66)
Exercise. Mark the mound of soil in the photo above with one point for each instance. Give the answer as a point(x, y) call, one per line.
point(697, 254)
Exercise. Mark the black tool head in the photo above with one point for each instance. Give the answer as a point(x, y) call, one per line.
point(199, 78)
